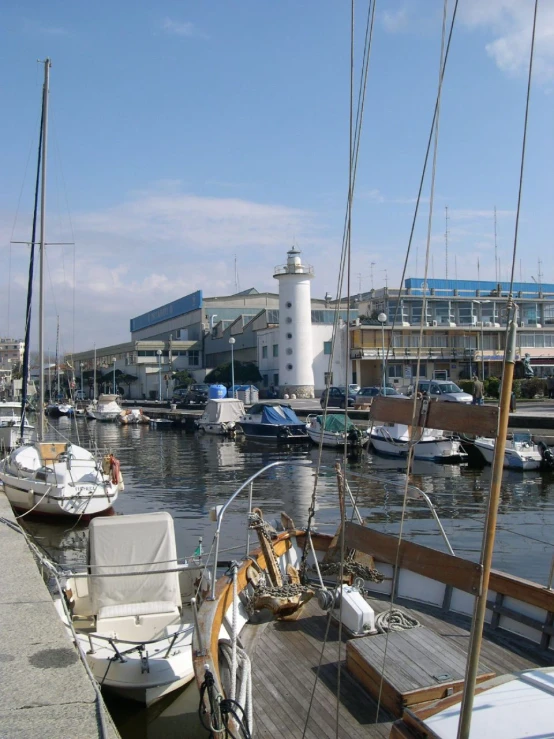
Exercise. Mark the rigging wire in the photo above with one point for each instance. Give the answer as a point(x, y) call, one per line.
point(423, 316)
point(422, 181)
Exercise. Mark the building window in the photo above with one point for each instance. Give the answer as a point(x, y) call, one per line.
point(395, 370)
point(276, 380)
point(265, 380)
point(422, 370)
point(275, 350)
point(193, 358)
point(264, 352)
point(289, 336)
point(289, 366)
point(327, 347)
point(288, 319)
point(289, 350)
point(289, 304)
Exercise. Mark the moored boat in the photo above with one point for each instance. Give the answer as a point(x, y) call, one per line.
point(393, 439)
point(130, 610)
point(273, 421)
point(131, 416)
point(334, 430)
point(220, 416)
point(106, 408)
point(520, 452)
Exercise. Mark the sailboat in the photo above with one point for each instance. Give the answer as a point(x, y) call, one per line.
point(47, 477)
point(367, 634)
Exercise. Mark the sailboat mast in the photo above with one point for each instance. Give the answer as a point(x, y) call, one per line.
point(45, 91)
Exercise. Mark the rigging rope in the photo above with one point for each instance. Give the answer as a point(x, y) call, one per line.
point(411, 447)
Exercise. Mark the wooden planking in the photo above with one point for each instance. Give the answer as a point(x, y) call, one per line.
point(444, 568)
point(459, 417)
point(413, 660)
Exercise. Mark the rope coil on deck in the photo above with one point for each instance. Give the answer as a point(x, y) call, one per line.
point(394, 619)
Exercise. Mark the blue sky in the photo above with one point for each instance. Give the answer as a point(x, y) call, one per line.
point(185, 133)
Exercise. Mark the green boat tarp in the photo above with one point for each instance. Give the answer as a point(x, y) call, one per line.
point(336, 423)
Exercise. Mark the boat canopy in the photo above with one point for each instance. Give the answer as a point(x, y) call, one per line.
point(223, 410)
point(105, 398)
point(142, 542)
point(280, 414)
point(336, 423)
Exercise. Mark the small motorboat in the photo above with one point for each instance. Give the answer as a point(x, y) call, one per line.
point(220, 416)
point(59, 410)
point(393, 439)
point(106, 408)
point(131, 416)
point(521, 452)
point(10, 431)
point(273, 421)
point(334, 429)
point(130, 609)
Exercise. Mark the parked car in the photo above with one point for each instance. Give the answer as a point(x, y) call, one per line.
point(367, 394)
point(338, 398)
point(444, 390)
point(197, 393)
point(179, 394)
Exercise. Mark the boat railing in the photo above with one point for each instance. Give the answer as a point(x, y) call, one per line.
point(413, 493)
point(220, 510)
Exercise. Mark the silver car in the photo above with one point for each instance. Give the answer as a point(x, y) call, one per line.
point(444, 390)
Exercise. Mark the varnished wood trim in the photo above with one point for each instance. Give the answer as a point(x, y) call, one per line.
point(458, 417)
point(445, 568)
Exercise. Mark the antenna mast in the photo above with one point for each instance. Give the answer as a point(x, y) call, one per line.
point(496, 270)
point(446, 241)
point(371, 266)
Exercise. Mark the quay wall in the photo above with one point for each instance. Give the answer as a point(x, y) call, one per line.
point(45, 690)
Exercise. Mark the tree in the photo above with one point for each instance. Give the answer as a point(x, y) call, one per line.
point(125, 379)
point(183, 377)
point(245, 373)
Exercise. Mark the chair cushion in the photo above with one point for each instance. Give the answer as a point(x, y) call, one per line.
point(137, 609)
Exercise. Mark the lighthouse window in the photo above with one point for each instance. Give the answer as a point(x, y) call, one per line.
point(275, 350)
point(289, 336)
point(289, 350)
point(289, 320)
point(289, 366)
point(289, 304)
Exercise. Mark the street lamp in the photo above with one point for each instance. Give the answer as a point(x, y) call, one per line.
point(114, 359)
point(382, 318)
point(159, 353)
point(232, 342)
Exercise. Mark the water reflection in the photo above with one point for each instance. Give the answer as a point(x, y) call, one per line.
point(187, 474)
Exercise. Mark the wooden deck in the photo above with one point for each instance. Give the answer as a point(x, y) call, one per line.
point(284, 666)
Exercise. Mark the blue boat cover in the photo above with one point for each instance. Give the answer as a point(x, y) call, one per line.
point(280, 415)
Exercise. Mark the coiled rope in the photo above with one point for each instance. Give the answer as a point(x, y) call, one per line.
point(393, 619)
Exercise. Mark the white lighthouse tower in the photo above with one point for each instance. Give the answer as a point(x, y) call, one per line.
point(295, 326)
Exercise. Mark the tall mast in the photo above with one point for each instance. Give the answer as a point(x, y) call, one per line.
point(496, 270)
point(45, 91)
point(446, 242)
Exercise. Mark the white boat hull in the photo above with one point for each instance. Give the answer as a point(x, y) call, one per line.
point(435, 450)
point(9, 436)
point(74, 487)
point(514, 459)
point(331, 439)
point(219, 429)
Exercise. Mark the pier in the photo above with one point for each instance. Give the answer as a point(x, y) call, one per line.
point(44, 687)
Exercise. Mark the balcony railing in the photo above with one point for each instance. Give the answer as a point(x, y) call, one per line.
point(293, 269)
point(426, 353)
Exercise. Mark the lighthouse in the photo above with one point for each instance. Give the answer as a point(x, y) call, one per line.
point(296, 373)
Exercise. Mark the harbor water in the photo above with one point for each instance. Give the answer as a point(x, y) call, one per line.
point(188, 474)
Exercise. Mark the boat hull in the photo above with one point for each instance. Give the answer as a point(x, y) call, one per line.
point(290, 434)
point(513, 459)
point(435, 450)
point(333, 440)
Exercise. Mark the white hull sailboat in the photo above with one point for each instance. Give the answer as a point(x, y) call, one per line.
point(432, 444)
point(54, 477)
point(334, 431)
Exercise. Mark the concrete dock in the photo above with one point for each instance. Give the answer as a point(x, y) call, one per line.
point(45, 690)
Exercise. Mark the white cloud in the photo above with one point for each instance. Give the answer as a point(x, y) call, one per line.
point(511, 22)
point(38, 28)
point(396, 20)
point(154, 247)
point(180, 28)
